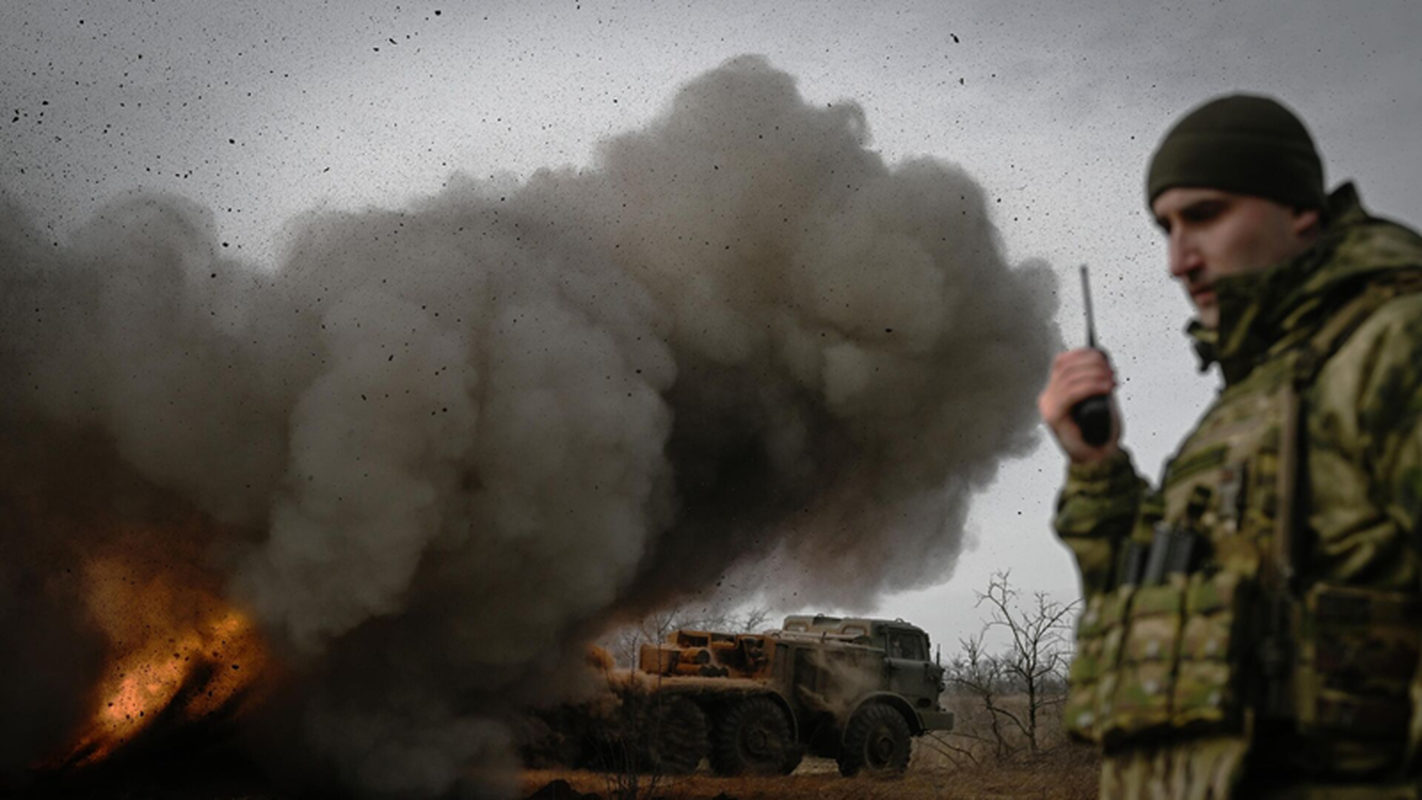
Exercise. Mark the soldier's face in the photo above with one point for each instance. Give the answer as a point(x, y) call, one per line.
point(1213, 234)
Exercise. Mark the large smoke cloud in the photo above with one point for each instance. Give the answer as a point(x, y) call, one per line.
point(446, 443)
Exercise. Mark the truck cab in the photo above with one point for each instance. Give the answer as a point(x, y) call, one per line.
point(908, 670)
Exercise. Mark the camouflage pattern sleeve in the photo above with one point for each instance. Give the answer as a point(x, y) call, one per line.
point(1095, 513)
point(1370, 433)
point(1390, 412)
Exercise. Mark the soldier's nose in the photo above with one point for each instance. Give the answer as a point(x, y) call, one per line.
point(1184, 258)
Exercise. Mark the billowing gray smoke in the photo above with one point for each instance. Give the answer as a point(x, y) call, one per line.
point(446, 443)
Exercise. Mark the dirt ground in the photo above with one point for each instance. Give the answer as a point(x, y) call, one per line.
point(972, 761)
point(962, 764)
point(1067, 772)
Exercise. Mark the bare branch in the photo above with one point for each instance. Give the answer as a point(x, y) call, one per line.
point(1033, 664)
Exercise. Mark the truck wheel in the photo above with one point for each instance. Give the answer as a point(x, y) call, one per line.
point(794, 754)
point(681, 738)
point(877, 740)
point(753, 736)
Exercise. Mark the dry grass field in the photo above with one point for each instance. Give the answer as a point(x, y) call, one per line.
point(963, 765)
point(956, 766)
point(1069, 773)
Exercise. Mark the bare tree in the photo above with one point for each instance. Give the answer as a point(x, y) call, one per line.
point(1032, 664)
point(626, 642)
point(752, 620)
point(981, 675)
point(1039, 652)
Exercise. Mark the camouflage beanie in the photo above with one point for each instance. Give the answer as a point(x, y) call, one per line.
point(1243, 144)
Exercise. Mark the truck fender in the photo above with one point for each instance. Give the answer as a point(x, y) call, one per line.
point(889, 699)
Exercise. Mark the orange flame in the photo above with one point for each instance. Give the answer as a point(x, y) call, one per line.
point(183, 653)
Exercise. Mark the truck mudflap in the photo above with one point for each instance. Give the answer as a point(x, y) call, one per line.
point(936, 720)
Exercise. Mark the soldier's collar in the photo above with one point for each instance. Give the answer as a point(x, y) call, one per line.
point(1205, 341)
point(1262, 310)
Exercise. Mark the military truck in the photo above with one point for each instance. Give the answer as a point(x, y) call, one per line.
point(855, 690)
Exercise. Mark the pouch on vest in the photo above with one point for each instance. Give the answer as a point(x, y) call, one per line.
point(1149, 646)
point(1358, 657)
point(1207, 682)
point(1092, 680)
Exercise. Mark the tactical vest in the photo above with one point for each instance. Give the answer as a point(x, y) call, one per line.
point(1215, 626)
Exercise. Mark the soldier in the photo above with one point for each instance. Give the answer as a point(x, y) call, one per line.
point(1251, 626)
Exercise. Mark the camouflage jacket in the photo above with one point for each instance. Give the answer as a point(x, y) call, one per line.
point(1180, 664)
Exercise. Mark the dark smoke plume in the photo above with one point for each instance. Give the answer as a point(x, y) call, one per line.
point(446, 444)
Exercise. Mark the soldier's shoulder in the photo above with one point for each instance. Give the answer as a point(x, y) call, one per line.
point(1389, 340)
point(1397, 321)
point(1380, 243)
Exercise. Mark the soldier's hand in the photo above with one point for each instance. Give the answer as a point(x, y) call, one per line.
point(1077, 375)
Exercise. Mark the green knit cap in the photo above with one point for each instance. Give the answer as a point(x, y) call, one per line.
point(1243, 144)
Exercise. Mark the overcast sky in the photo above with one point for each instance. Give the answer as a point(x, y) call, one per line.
point(263, 110)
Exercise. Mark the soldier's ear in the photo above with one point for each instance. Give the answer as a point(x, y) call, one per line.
point(1307, 223)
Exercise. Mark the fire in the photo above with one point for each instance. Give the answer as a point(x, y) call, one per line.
point(182, 653)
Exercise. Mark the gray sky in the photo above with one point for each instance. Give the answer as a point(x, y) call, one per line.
point(263, 110)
